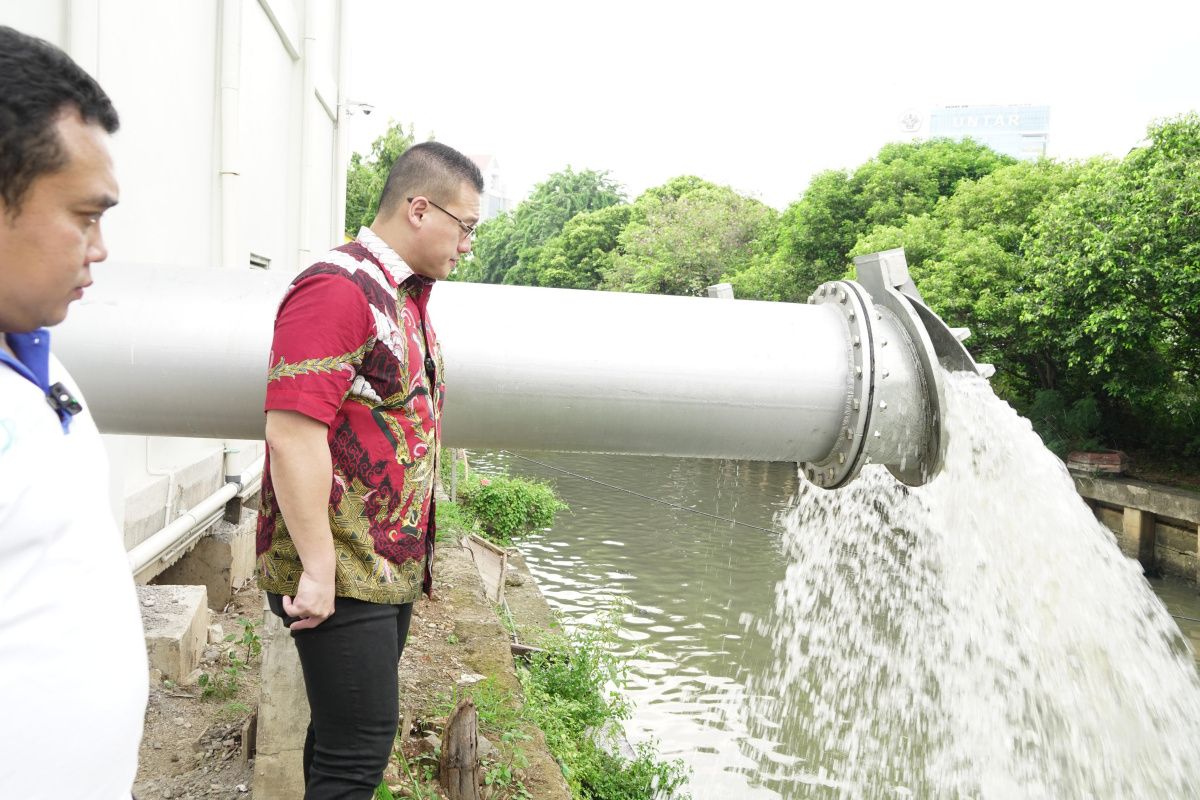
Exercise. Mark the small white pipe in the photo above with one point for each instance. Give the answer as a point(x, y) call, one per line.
point(167, 543)
point(229, 87)
point(308, 55)
point(169, 473)
point(250, 480)
point(166, 539)
point(342, 137)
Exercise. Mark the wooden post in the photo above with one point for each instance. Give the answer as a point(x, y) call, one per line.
point(459, 767)
point(1138, 526)
point(453, 475)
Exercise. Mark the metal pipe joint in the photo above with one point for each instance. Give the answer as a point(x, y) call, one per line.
point(897, 349)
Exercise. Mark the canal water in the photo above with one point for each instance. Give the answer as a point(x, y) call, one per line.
point(877, 642)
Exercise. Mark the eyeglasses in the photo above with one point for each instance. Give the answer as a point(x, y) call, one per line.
point(468, 231)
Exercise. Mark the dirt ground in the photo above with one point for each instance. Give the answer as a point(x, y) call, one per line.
point(191, 746)
point(194, 747)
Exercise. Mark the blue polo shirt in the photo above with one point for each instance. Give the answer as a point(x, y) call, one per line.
point(32, 363)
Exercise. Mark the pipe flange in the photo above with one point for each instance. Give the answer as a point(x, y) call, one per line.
point(843, 462)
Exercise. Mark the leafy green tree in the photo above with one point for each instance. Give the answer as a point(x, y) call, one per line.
point(366, 176)
point(1118, 288)
point(814, 236)
point(578, 256)
point(909, 178)
point(681, 244)
point(510, 240)
point(817, 233)
point(968, 257)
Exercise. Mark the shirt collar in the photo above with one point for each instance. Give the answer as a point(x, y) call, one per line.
point(397, 271)
point(32, 362)
point(32, 351)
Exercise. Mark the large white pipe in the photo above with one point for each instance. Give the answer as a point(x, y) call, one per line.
point(183, 352)
point(853, 377)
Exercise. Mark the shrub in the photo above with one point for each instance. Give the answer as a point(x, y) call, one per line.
point(506, 506)
point(1065, 427)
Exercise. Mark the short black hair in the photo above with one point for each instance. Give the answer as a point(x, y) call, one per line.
point(38, 82)
point(431, 169)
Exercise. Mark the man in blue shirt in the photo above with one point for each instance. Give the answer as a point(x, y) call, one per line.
point(67, 600)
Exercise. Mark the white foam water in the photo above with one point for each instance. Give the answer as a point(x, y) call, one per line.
point(978, 637)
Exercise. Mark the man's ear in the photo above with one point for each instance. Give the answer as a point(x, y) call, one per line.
point(416, 211)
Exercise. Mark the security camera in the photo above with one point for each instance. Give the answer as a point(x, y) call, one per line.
point(352, 107)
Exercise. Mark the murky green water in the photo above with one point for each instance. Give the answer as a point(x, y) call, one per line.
point(689, 584)
point(705, 622)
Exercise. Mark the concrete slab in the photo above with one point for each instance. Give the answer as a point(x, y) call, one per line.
point(1162, 501)
point(176, 620)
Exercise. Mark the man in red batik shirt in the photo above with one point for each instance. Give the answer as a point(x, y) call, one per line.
point(354, 396)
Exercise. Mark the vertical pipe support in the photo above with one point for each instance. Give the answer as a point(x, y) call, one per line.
point(1138, 527)
point(341, 134)
point(230, 170)
point(308, 99)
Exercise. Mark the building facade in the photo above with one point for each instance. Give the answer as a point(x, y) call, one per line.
point(494, 200)
point(231, 156)
point(1020, 131)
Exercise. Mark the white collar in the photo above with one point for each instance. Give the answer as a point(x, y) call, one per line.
point(385, 255)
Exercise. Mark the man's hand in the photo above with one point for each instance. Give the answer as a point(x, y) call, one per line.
point(313, 604)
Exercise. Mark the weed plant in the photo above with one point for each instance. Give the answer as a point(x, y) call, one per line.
point(225, 684)
point(452, 520)
point(572, 694)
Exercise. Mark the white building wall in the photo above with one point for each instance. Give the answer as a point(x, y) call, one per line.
point(163, 65)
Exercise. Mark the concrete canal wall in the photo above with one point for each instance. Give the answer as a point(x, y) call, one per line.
point(1158, 525)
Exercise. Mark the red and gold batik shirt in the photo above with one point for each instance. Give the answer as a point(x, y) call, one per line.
point(354, 349)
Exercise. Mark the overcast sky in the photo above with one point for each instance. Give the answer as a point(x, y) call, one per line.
point(757, 94)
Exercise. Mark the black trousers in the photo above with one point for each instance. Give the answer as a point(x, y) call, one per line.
point(349, 664)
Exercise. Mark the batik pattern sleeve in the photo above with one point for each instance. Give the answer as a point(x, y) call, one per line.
point(323, 331)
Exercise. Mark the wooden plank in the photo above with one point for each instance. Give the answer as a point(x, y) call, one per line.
point(492, 563)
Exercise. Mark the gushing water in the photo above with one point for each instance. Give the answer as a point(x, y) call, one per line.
point(979, 637)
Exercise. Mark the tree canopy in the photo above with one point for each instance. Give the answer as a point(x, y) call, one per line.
point(1117, 260)
point(685, 236)
point(817, 233)
point(366, 175)
point(511, 241)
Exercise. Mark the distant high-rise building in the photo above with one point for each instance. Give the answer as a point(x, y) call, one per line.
point(1017, 131)
point(493, 201)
